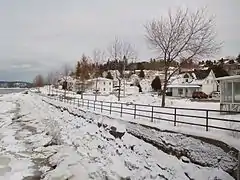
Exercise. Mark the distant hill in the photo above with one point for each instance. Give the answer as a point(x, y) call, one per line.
point(15, 84)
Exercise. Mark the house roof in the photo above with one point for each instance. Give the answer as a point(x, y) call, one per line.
point(183, 86)
point(100, 79)
point(201, 74)
point(229, 78)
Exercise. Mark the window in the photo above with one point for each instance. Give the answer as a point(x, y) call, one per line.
point(109, 83)
point(180, 91)
point(104, 89)
point(207, 81)
point(186, 80)
point(104, 83)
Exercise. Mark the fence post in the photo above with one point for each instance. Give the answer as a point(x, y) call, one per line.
point(110, 108)
point(135, 108)
point(88, 104)
point(152, 115)
point(121, 109)
point(78, 102)
point(101, 106)
point(94, 105)
point(207, 120)
point(175, 116)
point(238, 170)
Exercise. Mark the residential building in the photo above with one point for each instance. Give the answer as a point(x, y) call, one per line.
point(146, 85)
point(184, 84)
point(103, 85)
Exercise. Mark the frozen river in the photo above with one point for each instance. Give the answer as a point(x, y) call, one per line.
point(11, 90)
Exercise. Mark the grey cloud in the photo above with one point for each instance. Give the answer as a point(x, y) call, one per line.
point(40, 36)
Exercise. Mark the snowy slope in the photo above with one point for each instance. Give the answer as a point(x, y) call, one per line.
point(168, 166)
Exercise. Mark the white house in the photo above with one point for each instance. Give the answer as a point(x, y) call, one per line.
point(103, 85)
point(184, 84)
point(145, 85)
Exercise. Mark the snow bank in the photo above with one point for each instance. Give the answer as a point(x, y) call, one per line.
point(104, 156)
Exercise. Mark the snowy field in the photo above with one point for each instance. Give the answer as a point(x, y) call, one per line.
point(51, 140)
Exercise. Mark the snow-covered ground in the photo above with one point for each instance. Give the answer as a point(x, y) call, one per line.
point(161, 115)
point(41, 141)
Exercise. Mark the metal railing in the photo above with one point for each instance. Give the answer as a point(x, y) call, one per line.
point(204, 118)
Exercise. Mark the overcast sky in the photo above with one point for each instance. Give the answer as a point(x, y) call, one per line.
point(38, 36)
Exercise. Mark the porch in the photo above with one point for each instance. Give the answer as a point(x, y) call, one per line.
point(230, 93)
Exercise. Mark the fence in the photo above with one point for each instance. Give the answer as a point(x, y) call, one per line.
point(203, 118)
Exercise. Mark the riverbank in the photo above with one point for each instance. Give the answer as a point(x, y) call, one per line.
point(44, 140)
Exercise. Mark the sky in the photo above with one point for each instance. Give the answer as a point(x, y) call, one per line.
point(41, 36)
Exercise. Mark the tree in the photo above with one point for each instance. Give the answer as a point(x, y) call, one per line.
point(65, 73)
point(38, 81)
point(50, 81)
point(78, 70)
point(109, 75)
point(98, 57)
point(156, 84)
point(119, 48)
point(183, 35)
point(238, 58)
point(142, 74)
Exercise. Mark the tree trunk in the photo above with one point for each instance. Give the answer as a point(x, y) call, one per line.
point(164, 88)
point(96, 90)
point(49, 90)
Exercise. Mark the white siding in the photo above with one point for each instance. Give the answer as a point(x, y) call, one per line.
point(210, 84)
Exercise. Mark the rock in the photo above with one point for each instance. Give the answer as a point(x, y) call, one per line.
point(117, 134)
point(185, 159)
point(113, 128)
point(99, 124)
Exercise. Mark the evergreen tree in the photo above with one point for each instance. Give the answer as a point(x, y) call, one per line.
point(238, 58)
point(78, 70)
point(142, 74)
point(109, 76)
point(156, 84)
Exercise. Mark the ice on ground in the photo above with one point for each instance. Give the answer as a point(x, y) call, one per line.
point(102, 153)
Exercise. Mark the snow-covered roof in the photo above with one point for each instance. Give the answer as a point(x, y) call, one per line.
point(183, 86)
point(100, 79)
point(229, 78)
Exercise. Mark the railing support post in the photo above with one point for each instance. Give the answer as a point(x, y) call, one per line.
point(101, 106)
point(238, 171)
point(175, 116)
point(78, 102)
point(110, 108)
point(121, 109)
point(135, 109)
point(207, 120)
point(94, 104)
point(152, 115)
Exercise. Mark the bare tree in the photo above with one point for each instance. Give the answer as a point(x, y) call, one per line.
point(120, 50)
point(65, 73)
point(98, 58)
point(50, 79)
point(38, 81)
point(183, 35)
